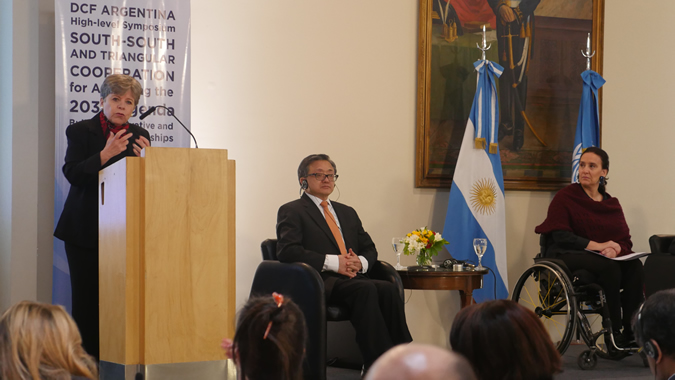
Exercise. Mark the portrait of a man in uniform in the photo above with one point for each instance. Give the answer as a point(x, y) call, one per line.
point(538, 44)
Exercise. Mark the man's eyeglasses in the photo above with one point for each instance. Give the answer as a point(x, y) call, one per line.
point(320, 177)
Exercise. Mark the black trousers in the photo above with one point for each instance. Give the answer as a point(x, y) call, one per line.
point(613, 276)
point(377, 314)
point(83, 265)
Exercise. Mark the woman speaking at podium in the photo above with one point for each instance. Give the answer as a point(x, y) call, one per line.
point(93, 145)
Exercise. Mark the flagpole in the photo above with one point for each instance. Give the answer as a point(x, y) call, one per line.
point(587, 54)
point(485, 46)
point(588, 122)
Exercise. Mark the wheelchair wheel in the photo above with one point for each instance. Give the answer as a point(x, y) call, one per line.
point(587, 360)
point(546, 290)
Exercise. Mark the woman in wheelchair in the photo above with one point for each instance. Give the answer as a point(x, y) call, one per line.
point(582, 217)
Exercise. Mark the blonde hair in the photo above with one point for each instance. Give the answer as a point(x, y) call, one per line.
point(41, 341)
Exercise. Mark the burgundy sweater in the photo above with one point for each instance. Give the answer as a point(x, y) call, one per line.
point(574, 211)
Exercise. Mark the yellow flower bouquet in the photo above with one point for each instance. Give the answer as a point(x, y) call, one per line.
point(424, 243)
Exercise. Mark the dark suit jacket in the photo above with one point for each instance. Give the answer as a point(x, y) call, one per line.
point(78, 223)
point(304, 236)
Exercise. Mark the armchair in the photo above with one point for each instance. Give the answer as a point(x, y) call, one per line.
point(660, 265)
point(305, 287)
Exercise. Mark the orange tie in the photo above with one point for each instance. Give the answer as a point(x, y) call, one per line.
point(332, 224)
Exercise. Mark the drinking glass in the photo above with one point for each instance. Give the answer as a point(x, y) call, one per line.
point(397, 244)
point(479, 246)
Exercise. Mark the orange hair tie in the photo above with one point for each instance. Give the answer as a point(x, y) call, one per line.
point(279, 300)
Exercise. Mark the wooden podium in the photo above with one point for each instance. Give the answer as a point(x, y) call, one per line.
point(166, 261)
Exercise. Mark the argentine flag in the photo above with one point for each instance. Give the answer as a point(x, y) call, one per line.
point(588, 122)
point(476, 206)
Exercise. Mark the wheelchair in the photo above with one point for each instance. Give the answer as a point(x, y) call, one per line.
point(570, 303)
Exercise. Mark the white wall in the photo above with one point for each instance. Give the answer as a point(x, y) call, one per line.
point(6, 45)
point(275, 81)
point(284, 80)
point(639, 99)
point(22, 273)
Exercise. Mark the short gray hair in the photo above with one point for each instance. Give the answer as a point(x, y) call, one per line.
point(119, 84)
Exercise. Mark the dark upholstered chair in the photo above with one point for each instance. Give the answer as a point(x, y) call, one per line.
point(304, 286)
point(660, 265)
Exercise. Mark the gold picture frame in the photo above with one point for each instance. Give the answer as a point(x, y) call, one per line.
point(554, 93)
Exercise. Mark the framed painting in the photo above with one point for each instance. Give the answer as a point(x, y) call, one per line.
point(539, 43)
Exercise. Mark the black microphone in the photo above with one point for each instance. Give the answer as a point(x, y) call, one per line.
point(148, 112)
point(153, 108)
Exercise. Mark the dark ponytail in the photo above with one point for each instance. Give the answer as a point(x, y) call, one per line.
point(270, 339)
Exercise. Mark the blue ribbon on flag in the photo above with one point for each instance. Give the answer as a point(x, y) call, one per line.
point(588, 122)
point(484, 111)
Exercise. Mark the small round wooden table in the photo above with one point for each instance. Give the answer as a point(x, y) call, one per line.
point(444, 279)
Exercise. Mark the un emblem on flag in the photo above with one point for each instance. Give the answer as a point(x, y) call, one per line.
point(484, 196)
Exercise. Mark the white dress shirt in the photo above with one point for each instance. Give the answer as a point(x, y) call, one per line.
point(332, 262)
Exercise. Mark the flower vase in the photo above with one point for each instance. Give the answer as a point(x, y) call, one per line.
point(423, 258)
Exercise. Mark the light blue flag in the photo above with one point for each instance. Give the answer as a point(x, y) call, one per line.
point(476, 207)
point(588, 123)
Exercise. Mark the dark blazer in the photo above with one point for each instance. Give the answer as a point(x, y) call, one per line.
point(304, 236)
point(78, 223)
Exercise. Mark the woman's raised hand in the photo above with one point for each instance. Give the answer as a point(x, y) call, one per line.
point(116, 144)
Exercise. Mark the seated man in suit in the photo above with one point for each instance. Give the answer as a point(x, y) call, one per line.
point(329, 237)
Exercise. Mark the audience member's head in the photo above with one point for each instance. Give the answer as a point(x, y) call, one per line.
point(503, 340)
point(41, 341)
point(269, 342)
point(420, 362)
point(654, 327)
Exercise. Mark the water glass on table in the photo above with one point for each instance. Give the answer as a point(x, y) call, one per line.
point(397, 244)
point(479, 246)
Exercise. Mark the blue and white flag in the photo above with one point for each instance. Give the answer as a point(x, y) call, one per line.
point(588, 123)
point(476, 207)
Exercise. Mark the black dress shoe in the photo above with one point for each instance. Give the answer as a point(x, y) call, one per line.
point(622, 341)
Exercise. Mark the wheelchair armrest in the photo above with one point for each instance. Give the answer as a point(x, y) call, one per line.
point(382, 270)
point(561, 264)
point(269, 249)
point(658, 271)
point(661, 243)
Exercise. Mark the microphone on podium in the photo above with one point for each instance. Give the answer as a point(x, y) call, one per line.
point(153, 108)
point(148, 112)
